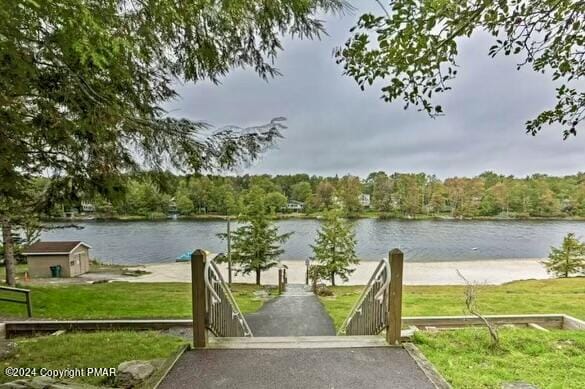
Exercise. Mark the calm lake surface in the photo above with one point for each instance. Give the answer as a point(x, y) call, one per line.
point(421, 240)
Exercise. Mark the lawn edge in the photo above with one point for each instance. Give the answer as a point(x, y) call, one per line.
point(175, 358)
point(429, 370)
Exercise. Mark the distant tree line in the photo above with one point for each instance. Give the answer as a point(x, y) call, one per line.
point(391, 195)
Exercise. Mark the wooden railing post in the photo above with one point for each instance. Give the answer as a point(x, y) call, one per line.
point(28, 304)
point(395, 297)
point(279, 281)
point(26, 301)
point(198, 298)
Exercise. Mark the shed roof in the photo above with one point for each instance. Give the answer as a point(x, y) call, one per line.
point(53, 247)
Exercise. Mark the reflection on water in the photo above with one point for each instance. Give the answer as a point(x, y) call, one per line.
point(428, 240)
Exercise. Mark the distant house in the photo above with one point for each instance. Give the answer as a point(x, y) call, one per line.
point(87, 207)
point(295, 206)
point(72, 256)
point(365, 200)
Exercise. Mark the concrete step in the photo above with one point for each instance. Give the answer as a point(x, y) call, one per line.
point(284, 342)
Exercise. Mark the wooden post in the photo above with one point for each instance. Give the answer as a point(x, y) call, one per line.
point(279, 281)
point(28, 304)
point(229, 251)
point(395, 297)
point(198, 298)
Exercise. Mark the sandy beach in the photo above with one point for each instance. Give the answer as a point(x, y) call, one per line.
point(496, 271)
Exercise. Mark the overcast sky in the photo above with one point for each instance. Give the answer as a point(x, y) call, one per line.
point(335, 128)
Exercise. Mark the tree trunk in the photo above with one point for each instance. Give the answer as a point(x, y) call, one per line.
point(258, 272)
point(9, 262)
point(332, 278)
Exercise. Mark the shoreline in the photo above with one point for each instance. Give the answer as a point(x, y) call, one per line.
point(317, 216)
point(489, 272)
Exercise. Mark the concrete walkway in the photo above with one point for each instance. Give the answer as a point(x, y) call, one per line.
point(297, 312)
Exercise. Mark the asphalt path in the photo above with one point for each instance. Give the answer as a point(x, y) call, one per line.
point(372, 368)
point(297, 312)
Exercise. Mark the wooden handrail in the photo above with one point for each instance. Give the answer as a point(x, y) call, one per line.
point(26, 301)
point(360, 300)
point(379, 306)
point(11, 289)
point(214, 306)
point(243, 329)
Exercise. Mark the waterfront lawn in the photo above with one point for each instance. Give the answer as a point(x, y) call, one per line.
point(553, 359)
point(95, 349)
point(120, 300)
point(123, 300)
point(519, 297)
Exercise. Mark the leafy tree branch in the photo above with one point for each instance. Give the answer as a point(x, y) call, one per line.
point(413, 48)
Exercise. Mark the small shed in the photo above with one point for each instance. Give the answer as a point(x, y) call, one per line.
point(72, 256)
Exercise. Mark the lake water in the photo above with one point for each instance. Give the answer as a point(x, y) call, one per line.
point(428, 240)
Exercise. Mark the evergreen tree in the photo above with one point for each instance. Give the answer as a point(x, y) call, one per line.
point(256, 245)
point(335, 247)
point(568, 259)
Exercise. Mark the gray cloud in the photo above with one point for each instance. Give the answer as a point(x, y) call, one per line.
point(334, 128)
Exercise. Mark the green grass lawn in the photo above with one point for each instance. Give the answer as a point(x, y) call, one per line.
point(173, 300)
point(547, 360)
point(120, 300)
point(555, 359)
point(82, 350)
point(520, 297)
